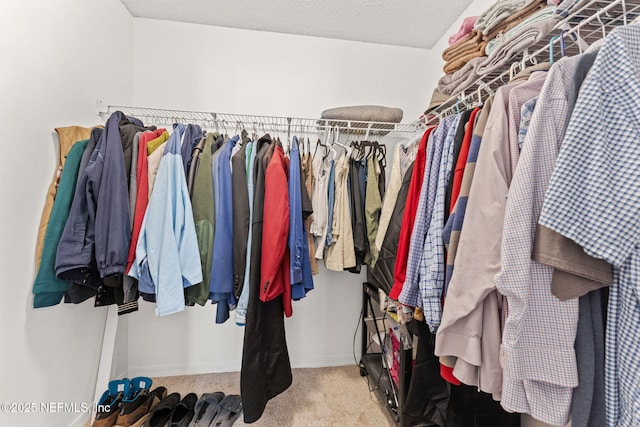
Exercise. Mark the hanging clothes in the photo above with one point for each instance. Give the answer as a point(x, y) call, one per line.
point(357, 213)
point(95, 240)
point(221, 284)
point(243, 301)
point(341, 255)
point(204, 219)
point(528, 289)
point(472, 309)
point(373, 206)
point(383, 272)
point(307, 171)
point(241, 214)
point(192, 135)
point(594, 203)
point(266, 369)
point(300, 272)
point(48, 290)
point(275, 275)
point(167, 255)
point(408, 218)
point(320, 201)
point(453, 227)
point(67, 137)
point(425, 248)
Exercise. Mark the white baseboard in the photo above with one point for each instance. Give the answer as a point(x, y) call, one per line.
point(82, 420)
point(232, 366)
point(120, 375)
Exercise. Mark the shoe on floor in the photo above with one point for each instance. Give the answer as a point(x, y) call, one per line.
point(184, 411)
point(107, 412)
point(161, 415)
point(133, 406)
point(228, 411)
point(206, 409)
point(156, 396)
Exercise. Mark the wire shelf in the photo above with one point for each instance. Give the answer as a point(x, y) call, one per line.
point(584, 26)
point(236, 122)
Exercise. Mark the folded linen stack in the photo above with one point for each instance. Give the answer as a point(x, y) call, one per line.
point(514, 19)
point(469, 47)
point(516, 40)
point(500, 11)
point(545, 14)
point(461, 79)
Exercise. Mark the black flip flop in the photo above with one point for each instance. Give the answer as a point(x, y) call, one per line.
point(228, 411)
point(206, 409)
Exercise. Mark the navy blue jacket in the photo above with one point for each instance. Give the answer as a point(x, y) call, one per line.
point(95, 240)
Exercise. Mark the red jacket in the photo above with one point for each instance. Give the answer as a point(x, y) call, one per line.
point(142, 195)
point(458, 172)
point(409, 216)
point(275, 279)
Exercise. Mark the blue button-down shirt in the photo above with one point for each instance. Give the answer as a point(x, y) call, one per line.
point(593, 199)
point(300, 266)
point(410, 289)
point(221, 283)
point(431, 270)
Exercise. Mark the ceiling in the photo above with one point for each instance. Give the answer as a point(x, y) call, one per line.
point(411, 23)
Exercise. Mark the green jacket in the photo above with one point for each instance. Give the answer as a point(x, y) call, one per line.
point(204, 218)
point(47, 289)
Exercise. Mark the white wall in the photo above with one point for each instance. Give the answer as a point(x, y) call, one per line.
point(57, 58)
point(246, 72)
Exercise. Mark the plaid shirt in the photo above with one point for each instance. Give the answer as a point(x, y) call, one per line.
point(593, 199)
point(538, 356)
point(409, 295)
point(432, 261)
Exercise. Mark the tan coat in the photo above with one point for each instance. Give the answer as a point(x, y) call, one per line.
point(67, 137)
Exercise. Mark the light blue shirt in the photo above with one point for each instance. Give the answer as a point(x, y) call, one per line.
point(167, 251)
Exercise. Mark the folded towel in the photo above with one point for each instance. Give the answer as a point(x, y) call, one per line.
point(525, 37)
point(461, 79)
point(545, 14)
point(466, 44)
point(515, 19)
point(459, 62)
point(498, 12)
point(470, 47)
point(465, 28)
point(364, 113)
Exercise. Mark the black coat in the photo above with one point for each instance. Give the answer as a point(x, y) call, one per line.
point(266, 369)
point(241, 216)
point(382, 275)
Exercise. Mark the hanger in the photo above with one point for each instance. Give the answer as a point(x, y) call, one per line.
point(553, 39)
point(599, 18)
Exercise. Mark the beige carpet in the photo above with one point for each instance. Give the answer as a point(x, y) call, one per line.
point(336, 396)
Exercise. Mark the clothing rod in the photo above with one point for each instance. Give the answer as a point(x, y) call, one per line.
point(166, 116)
point(589, 29)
